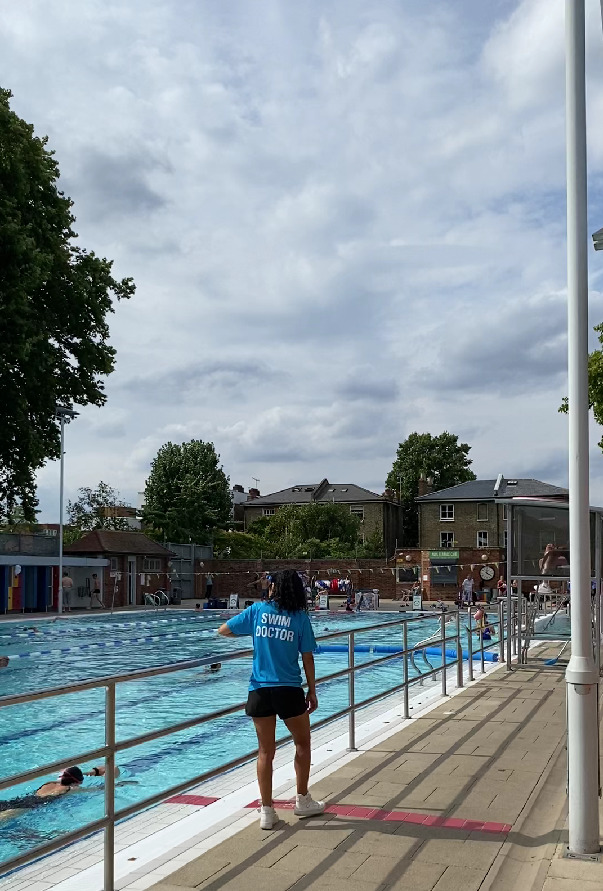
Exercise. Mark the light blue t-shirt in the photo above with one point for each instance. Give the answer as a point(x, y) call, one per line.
point(278, 639)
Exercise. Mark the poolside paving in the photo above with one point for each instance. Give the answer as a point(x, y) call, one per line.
point(492, 756)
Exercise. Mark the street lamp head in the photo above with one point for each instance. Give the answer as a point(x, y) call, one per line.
point(65, 413)
point(598, 239)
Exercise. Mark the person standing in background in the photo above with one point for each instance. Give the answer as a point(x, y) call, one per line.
point(66, 585)
point(209, 586)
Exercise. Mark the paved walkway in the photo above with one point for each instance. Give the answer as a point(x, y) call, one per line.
point(470, 796)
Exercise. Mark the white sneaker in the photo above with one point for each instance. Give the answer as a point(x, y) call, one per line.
point(305, 806)
point(268, 817)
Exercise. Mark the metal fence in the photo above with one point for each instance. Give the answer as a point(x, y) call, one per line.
point(112, 746)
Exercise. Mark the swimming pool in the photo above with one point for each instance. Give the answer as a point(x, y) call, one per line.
point(64, 651)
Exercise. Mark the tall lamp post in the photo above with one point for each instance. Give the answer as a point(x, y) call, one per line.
point(65, 414)
point(581, 675)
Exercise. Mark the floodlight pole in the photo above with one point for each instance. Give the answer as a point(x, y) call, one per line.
point(581, 675)
point(61, 485)
point(64, 413)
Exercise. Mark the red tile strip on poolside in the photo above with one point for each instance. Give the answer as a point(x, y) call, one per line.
point(199, 800)
point(372, 813)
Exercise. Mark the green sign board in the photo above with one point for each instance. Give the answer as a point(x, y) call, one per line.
point(444, 555)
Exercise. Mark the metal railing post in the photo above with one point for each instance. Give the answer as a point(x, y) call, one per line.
point(459, 651)
point(109, 852)
point(481, 644)
point(443, 633)
point(470, 644)
point(405, 657)
point(501, 633)
point(352, 695)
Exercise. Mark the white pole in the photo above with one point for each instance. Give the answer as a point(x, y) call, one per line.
point(60, 599)
point(581, 676)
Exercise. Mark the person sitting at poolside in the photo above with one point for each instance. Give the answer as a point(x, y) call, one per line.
point(197, 606)
point(68, 779)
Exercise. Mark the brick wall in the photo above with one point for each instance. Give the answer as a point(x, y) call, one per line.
point(465, 525)
point(236, 576)
point(468, 563)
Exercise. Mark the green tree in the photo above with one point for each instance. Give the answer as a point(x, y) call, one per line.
point(92, 509)
point(187, 495)
point(441, 458)
point(54, 300)
point(313, 530)
point(595, 383)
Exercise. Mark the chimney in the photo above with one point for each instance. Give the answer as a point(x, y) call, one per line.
point(238, 488)
point(390, 495)
point(253, 493)
point(425, 485)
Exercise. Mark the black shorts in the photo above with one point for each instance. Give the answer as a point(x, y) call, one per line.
point(286, 702)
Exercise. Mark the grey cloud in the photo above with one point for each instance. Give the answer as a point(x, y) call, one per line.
point(368, 387)
point(116, 185)
point(504, 352)
point(191, 382)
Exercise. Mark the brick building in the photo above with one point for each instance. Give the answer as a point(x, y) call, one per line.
point(136, 564)
point(462, 531)
point(381, 513)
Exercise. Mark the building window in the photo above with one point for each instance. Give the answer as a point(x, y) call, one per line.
point(446, 539)
point(358, 512)
point(447, 512)
point(482, 511)
point(407, 574)
point(268, 511)
point(482, 539)
point(505, 539)
point(152, 564)
point(113, 566)
point(504, 511)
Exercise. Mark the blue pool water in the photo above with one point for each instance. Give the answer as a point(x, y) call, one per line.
point(68, 650)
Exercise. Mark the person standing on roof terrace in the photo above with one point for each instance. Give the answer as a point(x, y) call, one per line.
point(281, 630)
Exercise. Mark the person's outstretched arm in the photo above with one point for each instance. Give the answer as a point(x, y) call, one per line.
point(225, 631)
point(311, 699)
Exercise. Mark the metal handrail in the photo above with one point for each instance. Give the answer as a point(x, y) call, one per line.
point(112, 746)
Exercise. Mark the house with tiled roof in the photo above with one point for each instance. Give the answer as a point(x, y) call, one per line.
point(137, 565)
point(469, 515)
point(375, 512)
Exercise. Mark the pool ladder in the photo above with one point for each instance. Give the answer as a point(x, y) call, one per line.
point(157, 600)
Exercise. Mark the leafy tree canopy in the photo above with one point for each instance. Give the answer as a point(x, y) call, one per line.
point(595, 383)
point(54, 300)
point(442, 458)
point(93, 509)
point(187, 495)
point(309, 531)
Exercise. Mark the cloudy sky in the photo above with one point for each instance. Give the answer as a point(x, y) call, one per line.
point(345, 220)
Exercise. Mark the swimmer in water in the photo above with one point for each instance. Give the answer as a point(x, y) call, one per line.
point(69, 779)
point(4, 660)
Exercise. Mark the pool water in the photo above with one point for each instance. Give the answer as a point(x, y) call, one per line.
point(64, 651)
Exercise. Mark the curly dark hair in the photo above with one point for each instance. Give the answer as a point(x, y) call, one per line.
point(288, 592)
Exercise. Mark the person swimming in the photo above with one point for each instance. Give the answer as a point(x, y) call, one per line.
point(68, 779)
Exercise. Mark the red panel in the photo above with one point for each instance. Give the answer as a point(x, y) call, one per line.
point(200, 800)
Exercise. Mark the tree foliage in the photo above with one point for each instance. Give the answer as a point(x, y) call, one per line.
point(92, 509)
point(595, 383)
point(54, 300)
point(187, 495)
point(309, 531)
point(442, 458)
